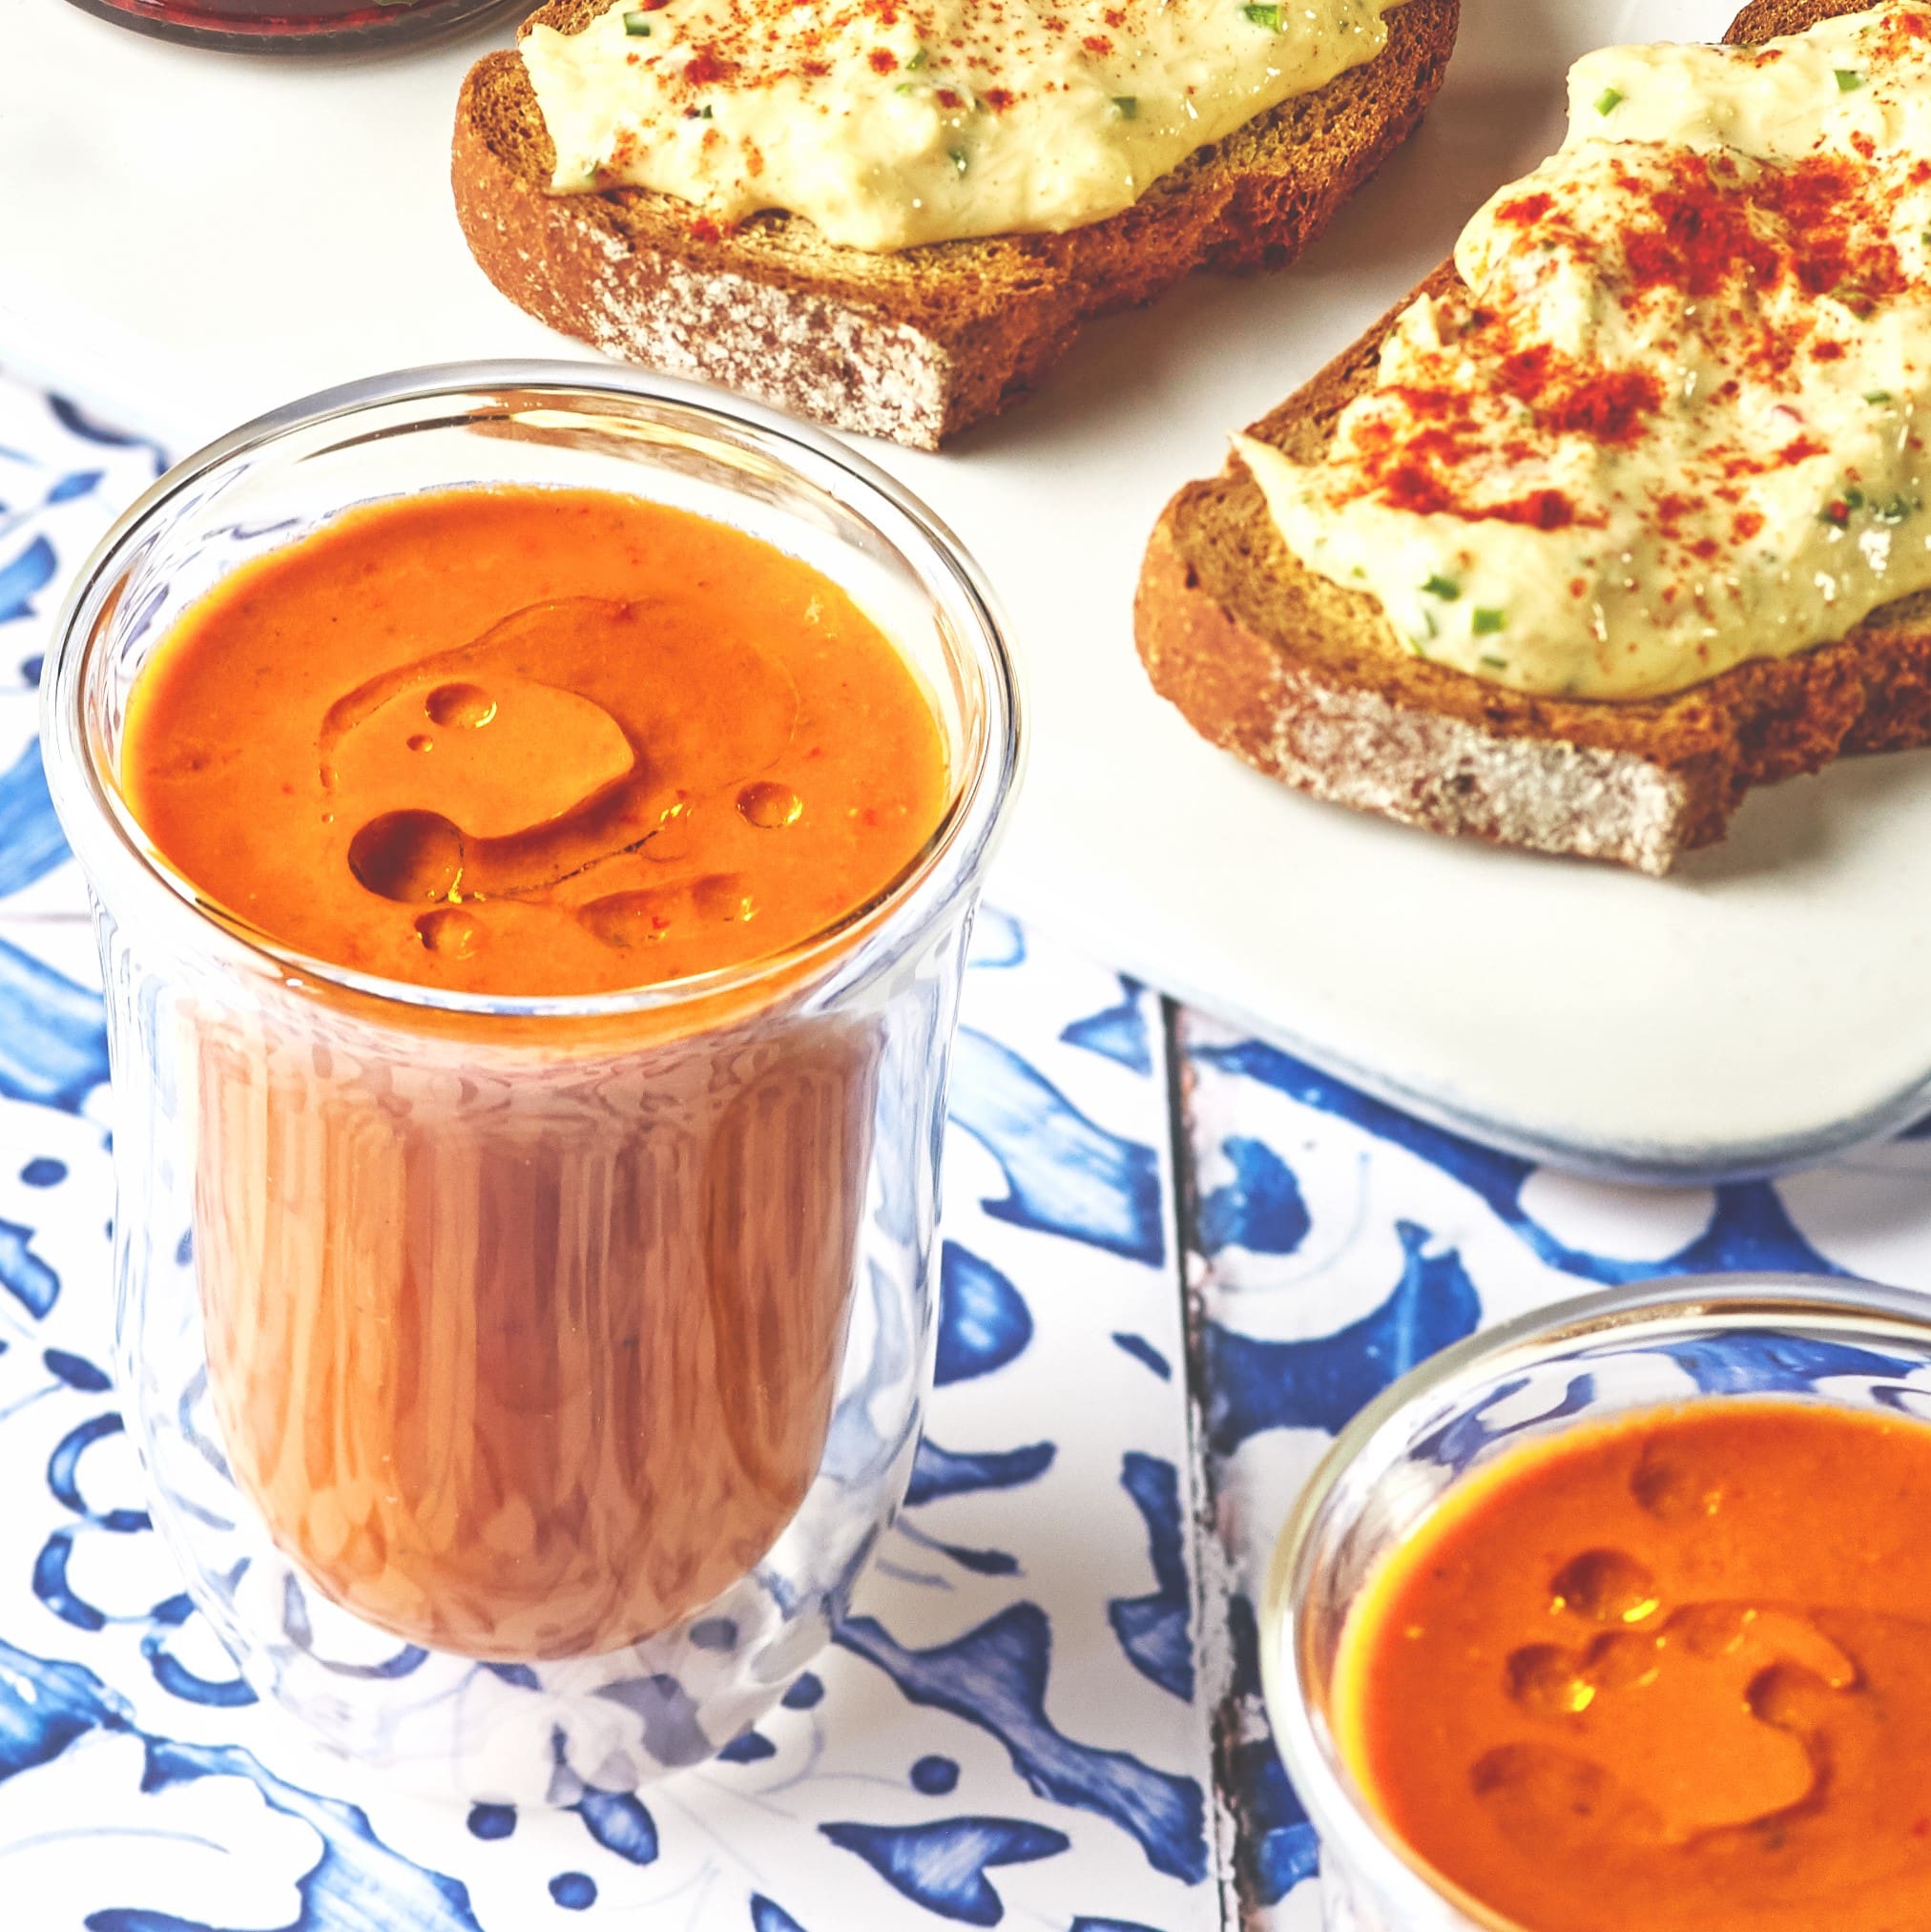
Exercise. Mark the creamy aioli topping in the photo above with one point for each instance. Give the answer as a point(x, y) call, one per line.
point(886, 123)
point(1675, 417)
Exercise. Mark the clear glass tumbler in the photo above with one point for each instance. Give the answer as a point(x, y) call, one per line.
point(1810, 1339)
point(523, 1382)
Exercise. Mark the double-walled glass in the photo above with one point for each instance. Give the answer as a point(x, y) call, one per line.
point(523, 1382)
point(1850, 1344)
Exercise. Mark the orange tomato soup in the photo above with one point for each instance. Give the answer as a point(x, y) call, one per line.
point(1668, 1672)
point(532, 742)
point(523, 1335)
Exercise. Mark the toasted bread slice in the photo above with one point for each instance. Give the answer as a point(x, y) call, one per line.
point(1305, 679)
point(913, 345)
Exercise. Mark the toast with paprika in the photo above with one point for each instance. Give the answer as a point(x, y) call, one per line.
point(1307, 679)
point(919, 344)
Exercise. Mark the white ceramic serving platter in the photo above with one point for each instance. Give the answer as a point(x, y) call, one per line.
point(188, 238)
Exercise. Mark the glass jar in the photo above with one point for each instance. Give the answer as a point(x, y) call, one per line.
point(301, 26)
point(523, 1382)
point(1842, 1342)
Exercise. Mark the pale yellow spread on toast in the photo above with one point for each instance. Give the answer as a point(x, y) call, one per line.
point(887, 123)
point(1674, 417)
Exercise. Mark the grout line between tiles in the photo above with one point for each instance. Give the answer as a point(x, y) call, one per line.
point(1212, 1645)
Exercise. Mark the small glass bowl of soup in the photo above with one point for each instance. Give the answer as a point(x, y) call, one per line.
point(1620, 1617)
point(535, 815)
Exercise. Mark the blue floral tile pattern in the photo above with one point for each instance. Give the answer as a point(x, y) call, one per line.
point(63, 477)
point(1175, 1261)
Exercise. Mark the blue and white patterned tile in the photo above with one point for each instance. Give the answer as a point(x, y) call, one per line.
point(63, 479)
point(1332, 1242)
point(1005, 1731)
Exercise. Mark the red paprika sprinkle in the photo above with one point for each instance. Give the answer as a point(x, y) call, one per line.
point(705, 69)
point(1527, 212)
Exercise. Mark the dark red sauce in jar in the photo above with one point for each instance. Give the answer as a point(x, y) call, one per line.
point(299, 26)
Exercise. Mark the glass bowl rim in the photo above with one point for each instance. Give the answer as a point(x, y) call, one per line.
point(1643, 1311)
point(109, 845)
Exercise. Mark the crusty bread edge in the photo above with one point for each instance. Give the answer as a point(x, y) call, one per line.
point(574, 268)
point(1351, 746)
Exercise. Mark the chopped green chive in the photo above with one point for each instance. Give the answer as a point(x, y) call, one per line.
point(1853, 497)
point(957, 159)
point(1897, 511)
point(1495, 663)
point(1876, 395)
point(1127, 107)
point(905, 87)
point(919, 59)
point(1609, 100)
point(1488, 623)
point(1416, 645)
point(638, 22)
point(1268, 17)
point(1849, 80)
point(1444, 587)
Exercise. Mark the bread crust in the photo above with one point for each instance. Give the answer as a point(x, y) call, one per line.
point(1305, 681)
point(919, 344)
